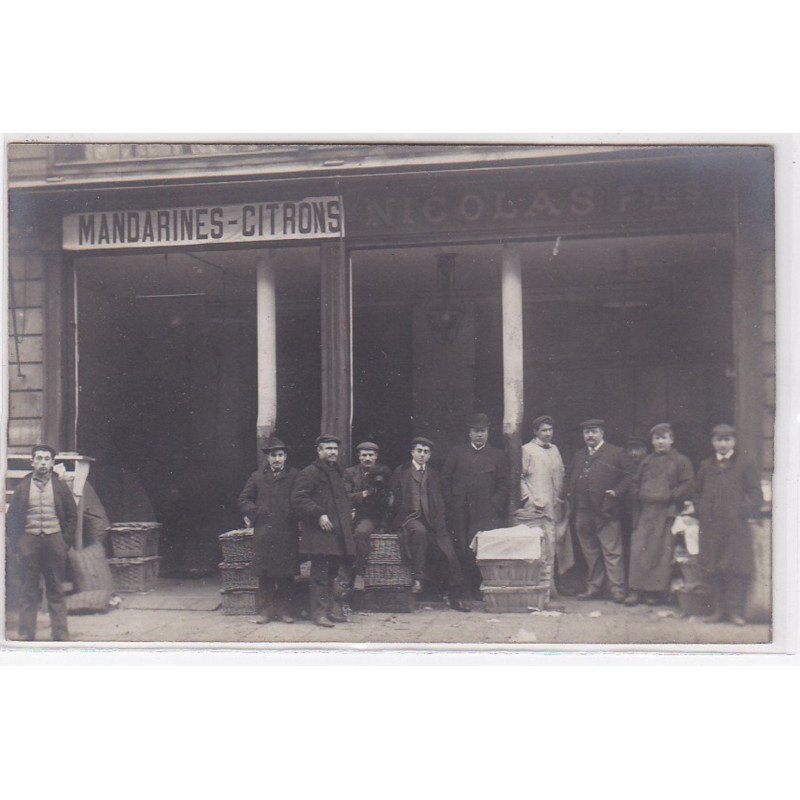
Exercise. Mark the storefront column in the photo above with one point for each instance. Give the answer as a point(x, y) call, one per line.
point(336, 353)
point(513, 406)
point(267, 353)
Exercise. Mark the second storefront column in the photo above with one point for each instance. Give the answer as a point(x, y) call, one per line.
point(267, 353)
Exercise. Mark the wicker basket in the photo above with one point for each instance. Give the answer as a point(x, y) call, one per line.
point(392, 599)
point(134, 539)
point(388, 575)
point(238, 575)
point(237, 545)
point(238, 601)
point(695, 603)
point(385, 548)
point(509, 599)
point(134, 574)
point(508, 572)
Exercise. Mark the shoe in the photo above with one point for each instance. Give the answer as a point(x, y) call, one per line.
point(416, 587)
point(263, 619)
point(651, 600)
point(632, 599)
point(287, 618)
point(589, 594)
point(717, 616)
point(618, 597)
point(358, 583)
point(337, 618)
point(460, 605)
point(737, 620)
point(324, 622)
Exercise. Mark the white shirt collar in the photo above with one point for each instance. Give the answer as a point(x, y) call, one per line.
point(595, 449)
point(418, 467)
point(476, 448)
point(727, 457)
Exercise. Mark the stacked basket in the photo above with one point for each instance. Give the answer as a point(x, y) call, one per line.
point(239, 581)
point(388, 579)
point(135, 562)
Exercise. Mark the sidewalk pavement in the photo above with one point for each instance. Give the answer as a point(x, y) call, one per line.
point(187, 611)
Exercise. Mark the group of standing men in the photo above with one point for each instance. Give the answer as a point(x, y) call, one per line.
point(327, 515)
point(336, 511)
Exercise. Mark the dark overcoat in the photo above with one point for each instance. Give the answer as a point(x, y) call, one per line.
point(265, 502)
point(356, 480)
point(401, 488)
point(65, 507)
point(609, 467)
point(319, 489)
point(475, 485)
point(725, 495)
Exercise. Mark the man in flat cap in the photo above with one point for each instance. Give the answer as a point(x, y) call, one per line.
point(600, 477)
point(726, 493)
point(418, 513)
point(319, 500)
point(475, 483)
point(542, 493)
point(658, 492)
point(264, 502)
point(367, 485)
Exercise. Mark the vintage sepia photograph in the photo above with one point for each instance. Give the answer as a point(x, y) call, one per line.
point(389, 395)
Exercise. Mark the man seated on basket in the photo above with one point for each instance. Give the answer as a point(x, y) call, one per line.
point(367, 485)
point(418, 515)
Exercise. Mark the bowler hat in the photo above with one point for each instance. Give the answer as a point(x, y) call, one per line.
point(423, 441)
point(543, 420)
point(479, 421)
point(327, 437)
point(367, 446)
point(662, 427)
point(723, 430)
point(593, 423)
point(273, 443)
point(636, 441)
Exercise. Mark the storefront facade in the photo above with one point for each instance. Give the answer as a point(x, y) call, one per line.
point(171, 305)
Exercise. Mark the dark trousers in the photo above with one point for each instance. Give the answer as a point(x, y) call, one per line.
point(274, 595)
point(421, 544)
point(462, 538)
point(601, 544)
point(730, 593)
point(325, 588)
point(364, 528)
point(42, 556)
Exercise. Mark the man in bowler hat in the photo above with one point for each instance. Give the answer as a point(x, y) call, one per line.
point(600, 476)
point(319, 500)
point(264, 502)
point(475, 483)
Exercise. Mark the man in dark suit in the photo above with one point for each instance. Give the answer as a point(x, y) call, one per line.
point(475, 483)
point(41, 522)
point(419, 516)
point(264, 502)
point(319, 500)
point(600, 476)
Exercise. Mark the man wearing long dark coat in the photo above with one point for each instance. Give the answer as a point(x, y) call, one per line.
point(726, 493)
point(475, 484)
point(320, 502)
point(264, 502)
point(600, 476)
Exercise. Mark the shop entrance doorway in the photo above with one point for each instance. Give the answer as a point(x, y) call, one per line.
point(167, 385)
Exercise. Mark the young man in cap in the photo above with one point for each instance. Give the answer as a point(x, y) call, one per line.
point(41, 522)
point(264, 502)
point(367, 485)
point(475, 483)
point(542, 493)
point(319, 500)
point(419, 515)
point(600, 476)
point(658, 492)
point(726, 493)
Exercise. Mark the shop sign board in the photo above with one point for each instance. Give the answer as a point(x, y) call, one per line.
point(203, 225)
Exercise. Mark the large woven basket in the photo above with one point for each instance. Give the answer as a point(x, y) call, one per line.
point(134, 539)
point(238, 601)
point(387, 599)
point(510, 599)
point(238, 575)
point(237, 545)
point(388, 575)
point(134, 574)
point(385, 548)
point(508, 572)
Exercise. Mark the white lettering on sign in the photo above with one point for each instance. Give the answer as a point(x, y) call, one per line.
point(310, 218)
